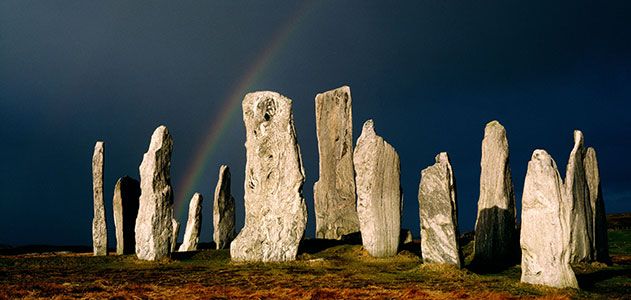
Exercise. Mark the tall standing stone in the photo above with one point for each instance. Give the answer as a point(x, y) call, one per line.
point(193, 224)
point(223, 210)
point(599, 219)
point(438, 214)
point(99, 229)
point(334, 192)
point(275, 209)
point(125, 204)
point(576, 196)
point(496, 241)
point(545, 226)
point(174, 234)
point(379, 201)
point(154, 227)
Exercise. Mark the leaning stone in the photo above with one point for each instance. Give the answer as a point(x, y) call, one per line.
point(334, 192)
point(193, 224)
point(599, 219)
point(576, 197)
point(438, 214)
point(154, 228)
point(496, 241)
point(275, 209)
point(125, 203)
point(378, 176)
point(223, 210)
point(99, 226)
point(175, 233)
point(545, 226)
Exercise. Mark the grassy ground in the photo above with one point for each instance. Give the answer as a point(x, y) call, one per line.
point(329, 271)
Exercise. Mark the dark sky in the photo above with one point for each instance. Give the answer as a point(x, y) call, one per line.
point(430, 73)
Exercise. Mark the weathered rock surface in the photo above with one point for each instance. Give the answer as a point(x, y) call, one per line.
point(438, 214)
point(599, 220)
point(99, 226)
point(125, 204)
point(193, 224)
point(334, 192)
point(576, 196)
point(175, 233)
point(223, 210)
point(154, 228)
point(379, 201)
point(545, 226)
point(275, 209)
point(495, 229)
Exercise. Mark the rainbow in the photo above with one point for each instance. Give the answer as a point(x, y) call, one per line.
point(228, 112)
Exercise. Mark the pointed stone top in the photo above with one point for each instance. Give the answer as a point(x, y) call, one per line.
point(543, 158)
point(99, 144)
point(222, 168)
point(493, 126)
point(442, 158)
point(197, 195)
point(494, 123)
point(369, 127)
point(578, 138)
point(158, 137)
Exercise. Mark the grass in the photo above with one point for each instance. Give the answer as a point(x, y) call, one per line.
point(337, 271)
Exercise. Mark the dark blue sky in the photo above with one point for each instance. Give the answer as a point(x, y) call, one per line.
point(430, 73)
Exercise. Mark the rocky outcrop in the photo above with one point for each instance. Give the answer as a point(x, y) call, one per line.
point(545, 226)
point(378, 176)
point(193, 224)
point(576, 197)
point(125, 204)
point(223, 210)
point(334, 192)
point(154, 227)
point(275, 209)
point(99, 229)
point(495, 231)
point(599, 239)
point(438, 214)
point(174, 234)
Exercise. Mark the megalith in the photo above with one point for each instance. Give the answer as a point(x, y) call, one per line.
point(125, 204)
point(223, 210)
point(599, 217)
point(193, 224)
point(99, 226)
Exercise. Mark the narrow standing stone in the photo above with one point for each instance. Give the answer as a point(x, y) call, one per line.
point(576, 196)
point(175, 233)
point(125, 203)
point(599, 218)
point(495, 231)
point(154, 228)
point(378, 179)
point(438, 214)
point(193, 224)
point(275, 209)
point(545, 226)
point(223, 210)
point(99, 229)
point(334, 192)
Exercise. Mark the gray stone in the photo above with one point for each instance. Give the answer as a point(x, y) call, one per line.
point(125, 204)
point(275, 209)
point(223, 210)
point(334, 192)
point(99, 227)
point(175, 233)
point(545, 226)
point(496, 241)
point(406, 236)
point(193, 224)
point(576, 197)
point(438, 214)
point(154, 228)
point(379, 201)
point(599, 219)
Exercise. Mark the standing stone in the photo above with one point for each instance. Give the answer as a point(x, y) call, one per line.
point(154, 228)
point(599, 220)
point(379, 202)
point(334, 192)
point(99, 229)
point(495, 231)
point(193, 224)
point(175, 233)
point(125, 203)
point(576, 196)
point(545, 226)
point(438, 214)
point(275, 209)
point(223, 210)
